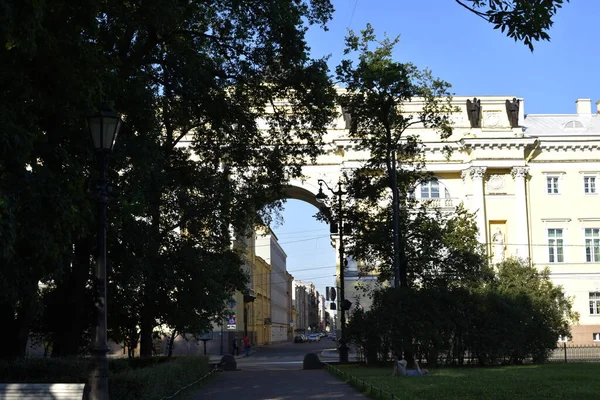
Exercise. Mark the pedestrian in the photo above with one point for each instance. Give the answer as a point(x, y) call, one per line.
point(247, 345)
point(236, 349)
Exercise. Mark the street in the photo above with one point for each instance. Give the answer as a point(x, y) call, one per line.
point(287, 355)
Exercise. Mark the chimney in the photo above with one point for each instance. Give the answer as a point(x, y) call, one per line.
point(598, 107)
point(584, 106)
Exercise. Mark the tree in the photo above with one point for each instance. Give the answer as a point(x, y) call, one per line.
point(431, 247)
point(551, 311)
point(523, 20)
point(515, 317)
point(207, 74)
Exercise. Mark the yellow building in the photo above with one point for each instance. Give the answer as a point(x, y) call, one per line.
point(262, 303)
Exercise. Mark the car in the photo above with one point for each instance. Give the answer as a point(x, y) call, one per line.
point(313, 337)
point(299, 339)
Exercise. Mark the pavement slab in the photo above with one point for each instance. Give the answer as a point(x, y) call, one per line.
point(276, 385)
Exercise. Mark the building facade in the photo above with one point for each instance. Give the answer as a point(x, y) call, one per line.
point(268, 248)
point(532, 182)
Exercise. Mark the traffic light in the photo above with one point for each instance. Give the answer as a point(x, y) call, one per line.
point(327, 288)
point(333, 294)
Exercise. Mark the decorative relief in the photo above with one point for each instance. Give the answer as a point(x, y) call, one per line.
point(477, 172)
point(491, 118)
point(519, 172)
point(495, 182)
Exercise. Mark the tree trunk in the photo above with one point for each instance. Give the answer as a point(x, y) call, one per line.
point(68, 333)
point(15, 331)
point(146, 328)
point(172, 343)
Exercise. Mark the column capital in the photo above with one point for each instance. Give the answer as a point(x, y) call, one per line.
point(464, 173)
point(519, 172)
point(477, 172)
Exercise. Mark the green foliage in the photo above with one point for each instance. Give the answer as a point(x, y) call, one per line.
point(550, 381)
point(67, 370)
point(159, 380)
point(44, 370)
point(517, 316)
point(437, 249)
point(139, 378)
point(523, 20)
point(207, 75)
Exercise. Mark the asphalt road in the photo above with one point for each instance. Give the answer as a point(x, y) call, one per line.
point(286, 356)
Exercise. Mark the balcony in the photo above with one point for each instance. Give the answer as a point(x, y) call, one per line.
point(445, 203)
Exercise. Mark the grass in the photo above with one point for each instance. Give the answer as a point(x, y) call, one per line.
point(548, 381)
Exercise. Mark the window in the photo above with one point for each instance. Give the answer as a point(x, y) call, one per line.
point(430, 190)
point(592, 244)
point(552, 184)
point(589, 184)
point(555, 246)
point(594, 303)
point(596, 336)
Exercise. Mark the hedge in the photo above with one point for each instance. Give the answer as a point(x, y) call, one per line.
point(159, 380)
point(137, 378)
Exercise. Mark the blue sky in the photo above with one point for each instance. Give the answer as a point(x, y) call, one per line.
point(477, 60)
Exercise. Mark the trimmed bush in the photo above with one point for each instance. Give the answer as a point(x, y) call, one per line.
point(157, 381)
point(312, 361)
point(228, 362)
point(45, 370)
point(138, 378)
point(66, 370)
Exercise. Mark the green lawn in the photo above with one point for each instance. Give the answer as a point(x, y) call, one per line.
point(550, 381)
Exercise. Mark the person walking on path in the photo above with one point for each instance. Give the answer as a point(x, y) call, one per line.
point(236, 349)
point(247, 345)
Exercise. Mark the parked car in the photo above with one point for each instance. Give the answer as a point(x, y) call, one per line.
point(300, 339)
point(313, 337)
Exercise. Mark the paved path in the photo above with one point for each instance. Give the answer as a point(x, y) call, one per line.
point(276, 385)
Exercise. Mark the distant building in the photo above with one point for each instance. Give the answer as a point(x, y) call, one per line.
point(268, 248)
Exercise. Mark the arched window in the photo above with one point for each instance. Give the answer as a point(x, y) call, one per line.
point(432, 189)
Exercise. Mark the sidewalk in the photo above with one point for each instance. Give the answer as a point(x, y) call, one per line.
point(288, 385)
point(217, 358)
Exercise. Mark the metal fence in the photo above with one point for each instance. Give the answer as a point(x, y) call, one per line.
point(575, 353)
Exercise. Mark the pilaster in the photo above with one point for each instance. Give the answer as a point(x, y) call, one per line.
point(477, 174)
point(519, 174)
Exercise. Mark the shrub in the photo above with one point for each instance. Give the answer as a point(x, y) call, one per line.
point(311, 361)
point(45, 370)
point(159, 380)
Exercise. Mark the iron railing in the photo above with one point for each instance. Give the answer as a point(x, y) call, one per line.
point(575, 353)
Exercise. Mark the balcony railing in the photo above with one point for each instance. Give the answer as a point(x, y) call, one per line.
point(441, 202)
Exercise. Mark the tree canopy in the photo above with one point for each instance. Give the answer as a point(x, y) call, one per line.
point(527, 21)
point(205, 150)
point(435, 248)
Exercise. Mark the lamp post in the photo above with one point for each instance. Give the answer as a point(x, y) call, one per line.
point(321, 197)
point(104, 127)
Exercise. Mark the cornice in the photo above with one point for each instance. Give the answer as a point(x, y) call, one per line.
point(497, 143)
point(569, 144)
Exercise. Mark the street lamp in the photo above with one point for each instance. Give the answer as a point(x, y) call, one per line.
point(104, 127)
point(321, 198)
